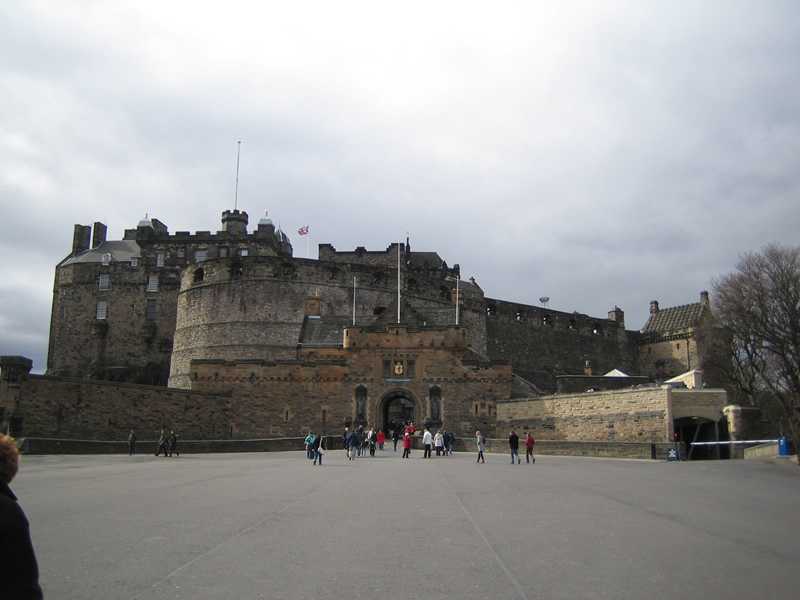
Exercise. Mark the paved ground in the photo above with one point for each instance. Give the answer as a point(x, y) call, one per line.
point(244, 526)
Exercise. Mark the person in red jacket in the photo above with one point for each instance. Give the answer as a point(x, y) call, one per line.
point(529, 443)
point(406, 445)
point(381, 438)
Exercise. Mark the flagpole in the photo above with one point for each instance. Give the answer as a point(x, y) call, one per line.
point(236, 189)
point(398, 282)
point(355, 283)
point(457, 278)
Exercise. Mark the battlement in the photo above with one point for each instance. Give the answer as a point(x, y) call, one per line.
point(556, 319)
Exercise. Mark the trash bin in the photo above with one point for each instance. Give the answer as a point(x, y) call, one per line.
point(783, 446)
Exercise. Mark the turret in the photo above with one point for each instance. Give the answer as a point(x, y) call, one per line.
point(234, 222)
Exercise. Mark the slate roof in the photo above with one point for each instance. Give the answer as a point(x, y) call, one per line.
point(325, 331)
point(120, 250)
point(674, 318)
point(431, 260)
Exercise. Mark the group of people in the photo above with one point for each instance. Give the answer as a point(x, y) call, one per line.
point(315, 447)
point(358, 442)
point(167, 443)
point(513, 444)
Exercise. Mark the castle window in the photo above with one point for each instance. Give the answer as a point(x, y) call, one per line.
point(198, 275)
point(106, 259)
point(236, 270)
point(677, 346)
point(361, 404)
point(410, 367)
point(244, 252)
point(572, 324)
point(151, 310)
point(152, 283)
point(104, 281)
point(387, 368)
point(324, 416)
point(596, 329)
point(181, 252)
point(160, 259)
point(435, 398)
point(101, 311)
point(546, 320)
point(200, 255)
point(223, 252)
point(518, 316)
point(286, 416)
point(491, 310)
point(378, 310)
point(134, 262)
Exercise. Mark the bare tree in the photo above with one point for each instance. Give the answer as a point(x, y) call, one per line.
point(758, 305)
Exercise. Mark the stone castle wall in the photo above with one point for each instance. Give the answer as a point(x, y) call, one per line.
point(543, 343)
point(128, 345)
point(634, 415)
point(254, 308)
point(57, 407)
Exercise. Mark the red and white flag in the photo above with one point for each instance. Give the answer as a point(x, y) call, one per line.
point(303, 230)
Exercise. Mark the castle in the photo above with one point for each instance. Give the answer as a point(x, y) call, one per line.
point(252, 341)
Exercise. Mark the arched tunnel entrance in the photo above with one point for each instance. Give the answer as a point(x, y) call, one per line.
point(690, 430)
point(397, 408)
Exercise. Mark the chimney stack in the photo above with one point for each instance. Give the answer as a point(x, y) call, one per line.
point(98, 234)
point(81, 238)
point(653, 307)
point(617, 315)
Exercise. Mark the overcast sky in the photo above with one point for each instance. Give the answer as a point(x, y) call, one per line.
point(598, 154)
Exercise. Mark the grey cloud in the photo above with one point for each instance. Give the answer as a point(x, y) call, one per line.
point(598, 157)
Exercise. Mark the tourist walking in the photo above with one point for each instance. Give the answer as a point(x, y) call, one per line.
point(20, 573)
point(529, 444)
point(354, 444)
point(381, 438)
point(406, 445)
point(319, 449)
point(173, 443)
point(427, 442)
point(395, 438)
point(481, 442)
point(513, 443)
point(371, 441)
point(132, 443)
point(309, 444)
point(450, 442)
point(162, 443)
point(346, 441)
point(438, 443)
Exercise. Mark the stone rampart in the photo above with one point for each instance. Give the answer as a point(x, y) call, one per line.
point(632, 415)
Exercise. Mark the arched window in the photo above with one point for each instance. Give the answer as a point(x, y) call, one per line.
point(361, 405)
point(198, 275)
point(435, 398)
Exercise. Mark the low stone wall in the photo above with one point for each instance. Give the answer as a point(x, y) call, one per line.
point(65, 446)
point(631, 415)
point(769, 450)
point(645, 450)
point(555, 447)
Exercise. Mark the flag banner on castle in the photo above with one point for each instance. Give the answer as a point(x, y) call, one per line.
point(303, 230)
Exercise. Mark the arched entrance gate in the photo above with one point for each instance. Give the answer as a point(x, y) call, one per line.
point(397, 408)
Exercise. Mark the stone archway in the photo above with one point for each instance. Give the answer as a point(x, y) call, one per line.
point(397, 407)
